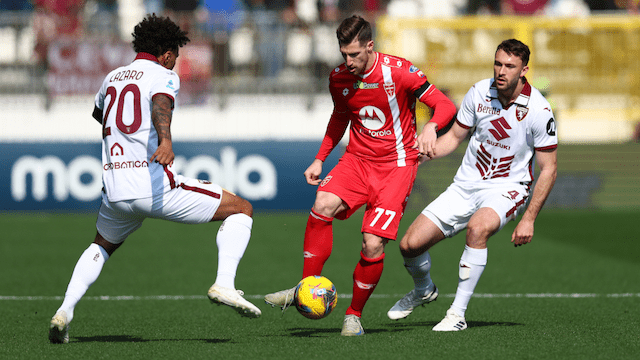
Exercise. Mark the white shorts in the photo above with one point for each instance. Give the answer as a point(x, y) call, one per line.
point(192, 201)
point(452, 210)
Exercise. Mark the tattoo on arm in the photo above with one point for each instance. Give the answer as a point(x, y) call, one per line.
point(161, 117)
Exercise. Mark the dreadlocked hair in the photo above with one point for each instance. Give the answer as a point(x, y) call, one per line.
point(157, 35)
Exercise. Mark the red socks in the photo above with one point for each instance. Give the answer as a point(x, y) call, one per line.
point(318, 242)
point(365, 278)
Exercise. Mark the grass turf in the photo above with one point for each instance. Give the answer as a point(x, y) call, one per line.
point(594, 255)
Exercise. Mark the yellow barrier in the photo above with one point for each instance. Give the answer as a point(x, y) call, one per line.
point(589, 67)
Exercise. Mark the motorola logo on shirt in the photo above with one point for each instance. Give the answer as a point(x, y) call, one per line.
point(372, 118)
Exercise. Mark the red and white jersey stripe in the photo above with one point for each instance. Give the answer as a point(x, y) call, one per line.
point(380, 106)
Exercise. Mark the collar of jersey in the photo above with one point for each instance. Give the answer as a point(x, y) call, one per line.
point(523, 98)
point(146, 56)
point(375, 63)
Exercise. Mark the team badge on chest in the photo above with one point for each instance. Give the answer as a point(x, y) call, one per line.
point(521, 112)
point(390, 89)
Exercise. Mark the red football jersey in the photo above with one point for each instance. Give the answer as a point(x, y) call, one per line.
point(380, 105)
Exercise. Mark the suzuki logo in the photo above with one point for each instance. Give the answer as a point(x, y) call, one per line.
point(500, 125)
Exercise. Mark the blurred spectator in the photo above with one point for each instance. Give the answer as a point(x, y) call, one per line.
point(483, 7)
point(102, 17)
point(523, 7)
point(182, 12)
point(371, 9)
point(426, 8)
point(153, 6)
point(222, 15)
point(219, 19)
point(16, 5)
point(329, 11)
point(54, 18)
point(614, 5)
point(567, 8)
point(272, 19)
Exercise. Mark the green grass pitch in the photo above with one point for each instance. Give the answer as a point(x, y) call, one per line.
point(573, 293)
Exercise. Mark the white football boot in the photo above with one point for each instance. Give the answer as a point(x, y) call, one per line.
point(283, 298)
point(451, 322)
point(352, 326)
point(59, 329)
point(233, 298)
point(405, 306)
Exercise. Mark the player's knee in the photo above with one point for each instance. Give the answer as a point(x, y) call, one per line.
point(408, 247)
point(478, 234)
point(323, 208)
point(245, 207)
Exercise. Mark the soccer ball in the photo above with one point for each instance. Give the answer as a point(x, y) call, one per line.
point(315, 297)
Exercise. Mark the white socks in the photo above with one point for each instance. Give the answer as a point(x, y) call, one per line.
point(232, 239)
point(419, 267)
point(472, 263)
point(85, 273)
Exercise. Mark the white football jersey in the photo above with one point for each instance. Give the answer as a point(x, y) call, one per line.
point(502, 147)
point(129, 138)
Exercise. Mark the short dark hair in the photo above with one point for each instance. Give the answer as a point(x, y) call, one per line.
point(354, 27)
point(517, 48)
point(157, 35)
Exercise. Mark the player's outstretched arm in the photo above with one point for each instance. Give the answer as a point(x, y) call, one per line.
point(450, 141)
point(161, 117)
point(547, 159)
point(312, 174)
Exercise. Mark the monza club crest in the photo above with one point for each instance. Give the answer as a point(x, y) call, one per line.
point(326, 180)
point(521, 112)
point(390, 89)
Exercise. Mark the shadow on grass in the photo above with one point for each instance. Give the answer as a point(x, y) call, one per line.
point(308, 332)
point(134, 339)
point(430, 324)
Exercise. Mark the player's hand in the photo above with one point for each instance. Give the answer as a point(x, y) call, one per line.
point(422, 158)
point(312, 174)
point(426, 141)
point(523, 233)
point(164, 154)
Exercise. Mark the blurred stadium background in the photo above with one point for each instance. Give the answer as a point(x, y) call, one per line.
point(254, 103)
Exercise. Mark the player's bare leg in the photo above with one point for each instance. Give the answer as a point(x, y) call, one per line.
point(232, 240)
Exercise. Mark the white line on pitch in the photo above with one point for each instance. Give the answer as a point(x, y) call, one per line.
point(379, 296)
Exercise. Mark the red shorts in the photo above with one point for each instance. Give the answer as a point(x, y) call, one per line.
point(383, 187)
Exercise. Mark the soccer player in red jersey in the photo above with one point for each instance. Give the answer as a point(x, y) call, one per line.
point(376, 94)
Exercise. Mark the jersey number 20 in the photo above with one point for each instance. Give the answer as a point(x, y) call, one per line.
point(137, 109)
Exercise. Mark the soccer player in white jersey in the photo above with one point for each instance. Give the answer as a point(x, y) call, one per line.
point(514, 127)
point(134, 106)
point(376, 95)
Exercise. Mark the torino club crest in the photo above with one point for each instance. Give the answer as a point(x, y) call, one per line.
point(521, 112)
